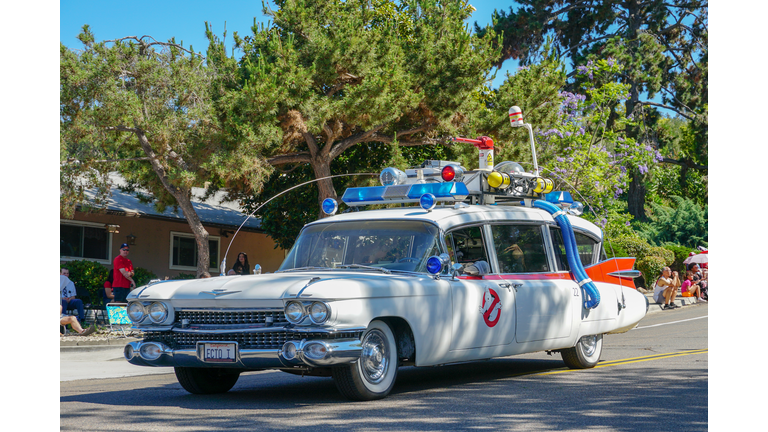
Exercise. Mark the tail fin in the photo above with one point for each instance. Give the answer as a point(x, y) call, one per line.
point(615, 270)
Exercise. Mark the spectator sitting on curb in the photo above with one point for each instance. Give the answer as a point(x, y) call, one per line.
point(689, 285)
point(698, 276)
point(665, 290)
point(71, 320)
point(68, 293)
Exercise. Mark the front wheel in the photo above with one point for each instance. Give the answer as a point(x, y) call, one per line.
point(585, 354)
point(373, 375)
point(206, 380)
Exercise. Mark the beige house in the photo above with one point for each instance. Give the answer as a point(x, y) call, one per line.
point(163, 242)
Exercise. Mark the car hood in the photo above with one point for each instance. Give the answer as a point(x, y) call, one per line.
point(270, 290)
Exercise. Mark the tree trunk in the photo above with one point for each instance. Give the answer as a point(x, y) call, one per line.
point(201, 234)
point(636, 196)
point(636, 192)
point(322, 168)
point(184, 199)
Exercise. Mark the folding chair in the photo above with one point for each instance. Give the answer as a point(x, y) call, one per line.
point(118, 316)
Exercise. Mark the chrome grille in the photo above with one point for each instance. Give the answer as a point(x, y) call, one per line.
point(230, 317)
point(251, 340)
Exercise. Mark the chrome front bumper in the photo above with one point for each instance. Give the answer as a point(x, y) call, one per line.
point(305, 352)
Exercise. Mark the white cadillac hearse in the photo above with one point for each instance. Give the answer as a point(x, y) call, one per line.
point(472, 265)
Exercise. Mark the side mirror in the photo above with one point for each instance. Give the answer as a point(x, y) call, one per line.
point(456, 270)
point(257, 269)
point(479, 268)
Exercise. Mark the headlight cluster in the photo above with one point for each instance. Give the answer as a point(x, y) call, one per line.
point(317, 311)
point(156, 311)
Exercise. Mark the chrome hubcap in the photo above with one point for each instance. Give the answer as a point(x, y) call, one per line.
point(375, 356)
point(589, 345)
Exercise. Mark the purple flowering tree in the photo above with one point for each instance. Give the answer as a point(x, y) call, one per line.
point(589, 151)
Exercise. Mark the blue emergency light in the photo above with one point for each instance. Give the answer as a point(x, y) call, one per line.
point(448, 191)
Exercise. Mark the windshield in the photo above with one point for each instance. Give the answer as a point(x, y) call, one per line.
point(390, 245)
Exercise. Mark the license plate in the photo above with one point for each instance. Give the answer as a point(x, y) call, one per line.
point(218, 352)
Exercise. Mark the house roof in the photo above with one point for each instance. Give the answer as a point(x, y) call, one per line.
point(214, 211)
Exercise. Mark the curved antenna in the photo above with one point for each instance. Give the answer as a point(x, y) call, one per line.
point(580, 196)
point(224, 262)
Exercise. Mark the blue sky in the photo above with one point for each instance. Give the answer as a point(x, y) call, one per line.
point(185, 20)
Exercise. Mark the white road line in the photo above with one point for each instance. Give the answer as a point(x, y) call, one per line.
point(673, 322)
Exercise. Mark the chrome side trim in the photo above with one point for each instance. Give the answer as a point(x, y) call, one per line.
point(626, 274)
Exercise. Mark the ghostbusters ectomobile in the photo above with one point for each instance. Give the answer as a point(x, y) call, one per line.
point(472, 265)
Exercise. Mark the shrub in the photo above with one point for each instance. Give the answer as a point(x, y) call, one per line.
point(648, 259)
point(681, 253)
point(185, 276)
point(650, 266)
point(631, 246)
point(88, 275)
point(142, 276)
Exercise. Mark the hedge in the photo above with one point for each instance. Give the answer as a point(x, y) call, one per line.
point(91, 276)
point(650, 260)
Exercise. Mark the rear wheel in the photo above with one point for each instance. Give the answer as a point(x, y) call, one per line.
point(206, 380)
point(585, 354)
point(373, 375)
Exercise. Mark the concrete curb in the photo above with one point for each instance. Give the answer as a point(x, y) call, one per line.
point(654, 307)
point(96, 344)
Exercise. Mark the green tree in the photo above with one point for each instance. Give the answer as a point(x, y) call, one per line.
point(662, 44)
point(328, 76)
point(684, 224)
point(144, 108)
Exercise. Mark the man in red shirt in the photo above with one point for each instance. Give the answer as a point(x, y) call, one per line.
point(122, 278)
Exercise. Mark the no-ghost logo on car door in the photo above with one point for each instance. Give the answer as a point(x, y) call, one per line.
point(491, 307)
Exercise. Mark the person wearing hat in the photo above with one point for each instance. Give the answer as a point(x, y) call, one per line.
point(122, 278)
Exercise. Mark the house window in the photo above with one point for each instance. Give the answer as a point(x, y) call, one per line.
point(82, 240)
point(184, 252)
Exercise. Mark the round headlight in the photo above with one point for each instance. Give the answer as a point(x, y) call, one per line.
point(318, 312)
point(136, 311)
point(158, 312)
point(294, 312)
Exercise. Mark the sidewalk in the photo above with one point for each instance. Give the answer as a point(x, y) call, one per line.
point(654, 307)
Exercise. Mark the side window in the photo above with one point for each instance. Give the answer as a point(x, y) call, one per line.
point(465, 245)
point(587, 246)
point(519, 248)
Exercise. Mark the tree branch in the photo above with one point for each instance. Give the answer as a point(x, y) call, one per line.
point(301, 157)
point(666, 107)
point(143, 43)
point(73, 160)
point(685, 162)
point(354, 139)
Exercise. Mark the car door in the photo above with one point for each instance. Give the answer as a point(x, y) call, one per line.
point(483, 310)
point(543, 298)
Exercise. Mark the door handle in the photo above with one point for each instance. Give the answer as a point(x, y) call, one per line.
point(509, 285)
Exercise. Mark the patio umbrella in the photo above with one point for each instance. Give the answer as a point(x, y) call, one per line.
point(701, 258)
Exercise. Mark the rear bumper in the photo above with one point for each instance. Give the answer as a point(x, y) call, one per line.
point(308, 353)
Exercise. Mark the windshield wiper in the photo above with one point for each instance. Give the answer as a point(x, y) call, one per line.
point(303, 269)
point(360, 266)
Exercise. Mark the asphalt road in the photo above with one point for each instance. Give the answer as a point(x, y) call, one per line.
point(653, 378)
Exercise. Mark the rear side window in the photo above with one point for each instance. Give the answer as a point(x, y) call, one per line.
point(589, 249)
point(519, 248)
